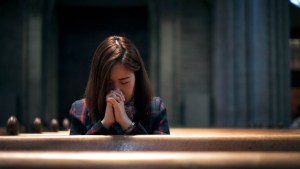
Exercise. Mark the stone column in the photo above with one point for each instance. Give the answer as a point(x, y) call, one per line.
point(50, 61)
point(251, 63)
point(165, 50)
point(32, 61)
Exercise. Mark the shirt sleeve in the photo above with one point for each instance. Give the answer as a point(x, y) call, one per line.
point(138, 129)
point(77, 127)
point(78, 118)
point(98, 128)
point(159, 119)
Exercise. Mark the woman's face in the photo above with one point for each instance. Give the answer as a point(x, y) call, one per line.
point(122, 78)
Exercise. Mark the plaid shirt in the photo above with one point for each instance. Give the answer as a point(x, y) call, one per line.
point(81, 123)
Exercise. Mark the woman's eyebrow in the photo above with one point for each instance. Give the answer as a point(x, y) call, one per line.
point(124, 78)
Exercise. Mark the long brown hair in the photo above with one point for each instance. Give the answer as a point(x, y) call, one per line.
point(116, 49)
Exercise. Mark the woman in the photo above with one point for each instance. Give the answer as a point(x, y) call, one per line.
point(118, 96)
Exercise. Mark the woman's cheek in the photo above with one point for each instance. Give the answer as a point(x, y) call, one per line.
point(129, 93)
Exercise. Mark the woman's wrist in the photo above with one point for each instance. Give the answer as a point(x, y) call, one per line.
point(125, 123)
point(129, 128)
point(106, 124)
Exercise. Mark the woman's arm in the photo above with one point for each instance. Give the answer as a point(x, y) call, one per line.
point(77, 127)
point(78, 121)
point(98, 128)
point(158, 121)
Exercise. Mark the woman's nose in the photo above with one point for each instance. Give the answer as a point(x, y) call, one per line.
point(114, 87)
point(111, 87)
point(117, 87)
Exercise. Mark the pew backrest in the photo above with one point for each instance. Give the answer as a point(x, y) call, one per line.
point(152, 143)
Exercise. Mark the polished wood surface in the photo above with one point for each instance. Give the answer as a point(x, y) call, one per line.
point(233, 131)
point(149, 159)
point(184, 148)
point(179, 140)
point(3, 131)
point(192, 132)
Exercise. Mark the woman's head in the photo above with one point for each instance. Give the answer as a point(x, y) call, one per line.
point(117, 64)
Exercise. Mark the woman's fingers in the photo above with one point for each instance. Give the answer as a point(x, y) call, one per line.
point(109, 117)
point(112, 95)
point(117, 95)
point(111, 100)
point(120, 96)
point(120, 93)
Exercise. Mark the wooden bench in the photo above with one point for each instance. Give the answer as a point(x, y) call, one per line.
point(184, 148)
point(232, 131)
point(147, 160)
point(2, 131)
point(192, 132)
point(241, 140)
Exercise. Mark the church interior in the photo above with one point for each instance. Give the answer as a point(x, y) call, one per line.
point(228, 72)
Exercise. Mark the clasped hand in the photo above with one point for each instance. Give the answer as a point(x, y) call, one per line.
point(115, 110)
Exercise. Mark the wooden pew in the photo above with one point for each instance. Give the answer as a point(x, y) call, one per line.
point(48, 133)
point(184, 148)
point(194, 132)
point(147, 160)
point(3, 131)
point(232, 131)
point(235, 140)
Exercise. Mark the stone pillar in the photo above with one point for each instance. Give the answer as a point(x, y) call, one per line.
point(10, 59)
point(50, 61)
point(32, 100)
point(165, 32)
point(195, 62)
point(154, 15)
point(251, 63)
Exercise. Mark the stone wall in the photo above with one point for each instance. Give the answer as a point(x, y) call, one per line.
point(214, 63)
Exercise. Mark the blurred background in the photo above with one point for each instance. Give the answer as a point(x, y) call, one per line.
point(215, 63)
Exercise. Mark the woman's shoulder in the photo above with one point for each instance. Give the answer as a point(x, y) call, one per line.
point(157, 104)
point(156, 99)
point(79, 103)
point(79, 108)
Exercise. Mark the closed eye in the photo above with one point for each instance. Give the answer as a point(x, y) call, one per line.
point(124, 82)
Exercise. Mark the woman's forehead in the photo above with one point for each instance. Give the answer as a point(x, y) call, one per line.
point(119, 71)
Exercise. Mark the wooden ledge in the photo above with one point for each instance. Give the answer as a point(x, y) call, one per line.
point(149, 160)
point(194, 132)
point(227, 142)
point(232, 131)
